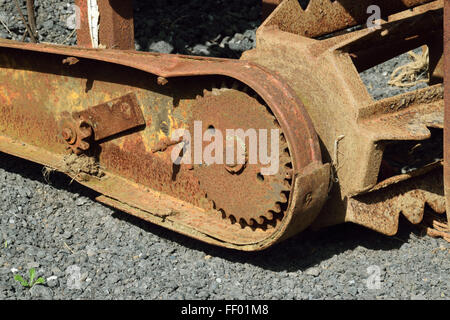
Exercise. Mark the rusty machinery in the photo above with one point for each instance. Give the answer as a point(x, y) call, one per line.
point(103, 114)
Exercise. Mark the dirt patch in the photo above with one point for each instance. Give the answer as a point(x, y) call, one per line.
point(81, 167)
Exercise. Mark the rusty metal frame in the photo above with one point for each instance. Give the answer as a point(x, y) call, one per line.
point(447, 107)
point(128, 178)
point(116, 26)
point(324, 16)
point(352, 127)
point(312, 87)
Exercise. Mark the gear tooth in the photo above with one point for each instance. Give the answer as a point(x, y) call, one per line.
point(270, 226)
point(215, 91)
point(269, 215)
point(84, 145)
point(261, 220)
point(283, 197)
point(277, 208)
point(284, 159)
point(288, 174)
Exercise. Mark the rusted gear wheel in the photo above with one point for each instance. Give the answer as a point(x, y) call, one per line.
point(240, 190)
point(77, 134)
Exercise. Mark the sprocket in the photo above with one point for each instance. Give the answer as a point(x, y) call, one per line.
point(239, 190)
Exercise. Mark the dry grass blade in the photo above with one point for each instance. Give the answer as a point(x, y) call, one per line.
point(408, 74)
point(6, 27)
point(69, 36)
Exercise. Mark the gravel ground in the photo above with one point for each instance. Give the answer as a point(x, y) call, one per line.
point(85, 250)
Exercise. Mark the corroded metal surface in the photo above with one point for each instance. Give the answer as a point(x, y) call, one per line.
point(113, 117)
point(268, 6)
point(354, 129)
point(264, 195)
point(141, 99)
point(77, 133)
point(138, 174)
point(405, 117)
point(95, 123)
point(379, 210)
point(326, 16)
point(116, 26)
point(447, 107)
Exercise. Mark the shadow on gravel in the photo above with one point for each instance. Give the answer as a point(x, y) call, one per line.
point(34, 171)
point(194, 26)
point(298, 253)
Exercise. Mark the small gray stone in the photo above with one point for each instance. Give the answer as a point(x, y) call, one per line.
point(67, 235)
point(52, 283)
point(41, 292)
point(48, 24)
point(81, 201)
point(315, 271)
point(41, 254)
point(161, 47)
point(200, 49)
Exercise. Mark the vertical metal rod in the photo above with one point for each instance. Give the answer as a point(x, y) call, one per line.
point(116, 24)
point(27, 25)
point(447, 106)
point(31, 16)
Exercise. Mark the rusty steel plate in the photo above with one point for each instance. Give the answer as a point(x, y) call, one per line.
point(113, 117)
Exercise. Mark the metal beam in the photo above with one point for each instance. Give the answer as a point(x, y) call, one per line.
point(115, 24)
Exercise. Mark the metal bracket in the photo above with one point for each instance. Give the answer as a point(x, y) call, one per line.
point(101, 121)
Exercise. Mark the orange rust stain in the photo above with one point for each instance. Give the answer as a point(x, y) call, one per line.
point(154, 170)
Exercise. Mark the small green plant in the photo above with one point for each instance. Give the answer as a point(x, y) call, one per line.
point(32, 281)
